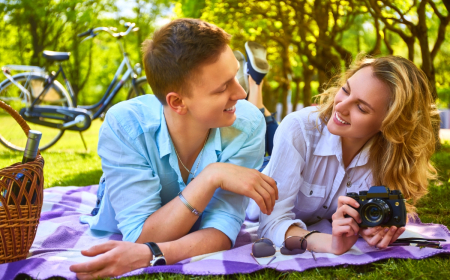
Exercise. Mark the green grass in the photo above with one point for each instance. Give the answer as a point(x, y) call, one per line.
point(69, 164)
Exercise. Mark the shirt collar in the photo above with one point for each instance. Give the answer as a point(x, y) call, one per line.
point(163, 137)
point(330, 144)
point(213, 148)
point(364, 156)
point(165, 144)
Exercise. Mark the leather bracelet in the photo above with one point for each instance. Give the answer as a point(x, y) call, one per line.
point(311, 232)
point(185, 202)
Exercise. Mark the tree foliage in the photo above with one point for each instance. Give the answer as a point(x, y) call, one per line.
point(309, 41)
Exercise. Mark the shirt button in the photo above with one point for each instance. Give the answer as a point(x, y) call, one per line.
point(311, 192)
point(325, 207)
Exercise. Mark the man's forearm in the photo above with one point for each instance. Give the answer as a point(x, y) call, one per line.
point(200, 242)
point(174, 219)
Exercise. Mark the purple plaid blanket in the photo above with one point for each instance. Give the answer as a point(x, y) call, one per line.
point(61, 237)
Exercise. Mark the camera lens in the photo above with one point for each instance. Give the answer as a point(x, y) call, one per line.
point(376, 212)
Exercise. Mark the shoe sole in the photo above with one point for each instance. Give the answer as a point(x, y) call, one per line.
point(257, 56)
point(241, 74)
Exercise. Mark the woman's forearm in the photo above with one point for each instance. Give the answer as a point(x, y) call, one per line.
point(317, 242)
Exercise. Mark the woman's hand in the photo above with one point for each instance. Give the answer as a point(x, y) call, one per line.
point(118, 257)
point(381, 237)
point(345, 229)
point(245, 181)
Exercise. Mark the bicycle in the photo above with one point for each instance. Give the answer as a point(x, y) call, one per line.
point(47, 106)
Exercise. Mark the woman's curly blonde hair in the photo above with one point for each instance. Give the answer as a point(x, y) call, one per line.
point(400, 154)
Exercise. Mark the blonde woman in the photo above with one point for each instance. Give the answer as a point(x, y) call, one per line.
point(373, 127)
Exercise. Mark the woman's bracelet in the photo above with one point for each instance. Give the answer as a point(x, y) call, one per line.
point(185, 202)
point(311, 232)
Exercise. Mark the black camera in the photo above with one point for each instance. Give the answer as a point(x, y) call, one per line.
point(380, 207)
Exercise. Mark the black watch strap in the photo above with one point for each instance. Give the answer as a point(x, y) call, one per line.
point(158, 256)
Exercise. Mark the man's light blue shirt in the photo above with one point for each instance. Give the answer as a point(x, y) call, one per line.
point(141, 172)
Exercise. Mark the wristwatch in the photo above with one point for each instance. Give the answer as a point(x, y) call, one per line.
point(158, 256)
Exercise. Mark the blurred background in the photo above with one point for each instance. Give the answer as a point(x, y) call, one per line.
point(308, 41)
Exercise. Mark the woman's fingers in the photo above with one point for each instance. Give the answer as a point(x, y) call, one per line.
point(343, 230)
point(377, 237)
point(344, 210)
point(387, 238)
point(347, 200)
point(348, 223)
point(369, 232)
point(397, 234)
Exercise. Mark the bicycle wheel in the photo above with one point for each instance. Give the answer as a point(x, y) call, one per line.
point(142, 87)
point(11, 135)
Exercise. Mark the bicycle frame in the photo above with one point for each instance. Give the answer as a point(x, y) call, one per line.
point(48, 83)
point(112, 90)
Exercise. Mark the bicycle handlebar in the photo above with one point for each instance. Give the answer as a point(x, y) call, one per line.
point(119, 35)
point(85, 33)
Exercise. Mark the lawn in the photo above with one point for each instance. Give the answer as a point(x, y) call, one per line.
point(69, 164)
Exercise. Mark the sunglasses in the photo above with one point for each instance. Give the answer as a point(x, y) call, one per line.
point(418, 242)
point(293, 245)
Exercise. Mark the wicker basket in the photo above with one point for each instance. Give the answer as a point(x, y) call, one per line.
point(19, 219)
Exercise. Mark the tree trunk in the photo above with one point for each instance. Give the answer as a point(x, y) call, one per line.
point(285, 83)
point(307, 77)
point(35, 42)
point(410, 45)
point(421, 32)
point(377, 48)
point(387, 41)
point(297, 81)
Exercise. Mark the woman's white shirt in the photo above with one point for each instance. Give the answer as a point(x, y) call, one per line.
point(309, 170)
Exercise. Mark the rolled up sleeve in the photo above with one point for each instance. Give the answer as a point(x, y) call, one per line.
point(226, 210)
point(132, 188)
point(285, 167)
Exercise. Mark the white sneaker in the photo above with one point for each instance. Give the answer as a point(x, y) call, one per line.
point(242, 74)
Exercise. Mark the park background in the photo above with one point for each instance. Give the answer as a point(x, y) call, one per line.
point(308, 42)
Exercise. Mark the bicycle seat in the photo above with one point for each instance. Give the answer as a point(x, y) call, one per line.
point(56, 56)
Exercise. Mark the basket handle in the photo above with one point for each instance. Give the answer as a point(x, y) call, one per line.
point(23, 124)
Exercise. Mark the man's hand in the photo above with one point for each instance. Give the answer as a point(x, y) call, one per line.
point(381, 237)
point(245, 181)
point(118, 257)
point(345, 229)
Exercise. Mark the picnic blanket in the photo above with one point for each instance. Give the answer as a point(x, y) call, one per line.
point(60, 238)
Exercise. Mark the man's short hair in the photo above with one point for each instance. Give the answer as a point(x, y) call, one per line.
point(176, 51)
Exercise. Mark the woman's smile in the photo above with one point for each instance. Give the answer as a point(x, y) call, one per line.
point(339, 121)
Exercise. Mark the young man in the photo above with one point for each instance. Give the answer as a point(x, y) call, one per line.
point(152, 147)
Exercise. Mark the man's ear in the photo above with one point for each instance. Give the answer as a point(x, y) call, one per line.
point(176, 103)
